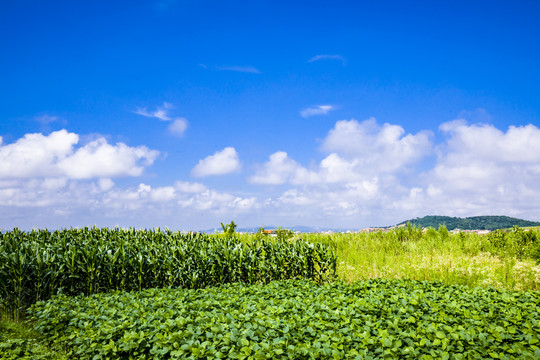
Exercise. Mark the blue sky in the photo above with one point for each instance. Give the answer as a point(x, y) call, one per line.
point(337, 114)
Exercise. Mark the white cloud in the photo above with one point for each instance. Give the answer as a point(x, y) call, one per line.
point(483, 142)
point(100, 159)
point(482, 169)
point(51, 181)
point(221, 162)
point(277, 170)
point(161, 113)
point(317, 110)
point(36, 154)
point(181, 196)
point(189, 187)
point(178, 127)
point(244, 69)
point(335, 169)
point(368, 174)
point(55, 155)
point(359, 152)
point(377, 148)
point(327, 57)
point(105, 184)
point(165, 193)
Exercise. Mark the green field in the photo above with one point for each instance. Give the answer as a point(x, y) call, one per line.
point(399, 294)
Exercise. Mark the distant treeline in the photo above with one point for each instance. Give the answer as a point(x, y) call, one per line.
point(471, 223)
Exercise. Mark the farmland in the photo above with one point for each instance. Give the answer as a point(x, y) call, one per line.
point(36, 265)
point(110, 293)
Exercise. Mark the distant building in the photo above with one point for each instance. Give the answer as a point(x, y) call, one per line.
point(479, 232)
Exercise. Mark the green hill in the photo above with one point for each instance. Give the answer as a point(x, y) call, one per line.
point(470, 223)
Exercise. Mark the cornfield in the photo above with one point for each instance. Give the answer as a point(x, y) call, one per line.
point(38, 264)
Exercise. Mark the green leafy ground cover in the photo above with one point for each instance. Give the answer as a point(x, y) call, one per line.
point(18, 341)
point(38, 264)
point(374, 319)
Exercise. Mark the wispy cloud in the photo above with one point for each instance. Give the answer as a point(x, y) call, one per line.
point(327, 57)
point(46, 119)
point(160, 113)
point(244, 69)
point(178, 125)
point(317, 110)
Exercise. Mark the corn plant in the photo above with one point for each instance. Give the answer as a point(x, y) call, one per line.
point(38, 264)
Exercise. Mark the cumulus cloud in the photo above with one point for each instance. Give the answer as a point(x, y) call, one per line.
point(377, 148)
point(371, 172)
point(55, 155)
point(279, 169)
point(367, 174)
point(36, 154)
point(327, 57)
point(100, 159)
point(317, 110)
point(358, 151)
point(483, 169)
point(220, 163)
point(485, 143)
point(53, 181)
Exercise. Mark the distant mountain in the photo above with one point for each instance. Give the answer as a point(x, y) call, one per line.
point(470, 223)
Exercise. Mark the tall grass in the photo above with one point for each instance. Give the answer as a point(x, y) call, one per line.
point(501, 259)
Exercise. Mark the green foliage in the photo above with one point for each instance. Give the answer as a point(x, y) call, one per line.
point(283, 234)
point(18, 341)
point(432, 233)
point(38, 264)
point(516, 243)
point(373, 319)
point(471, 223)
point(443, 232)
point(229, 229)
point(260, 233)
